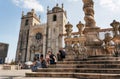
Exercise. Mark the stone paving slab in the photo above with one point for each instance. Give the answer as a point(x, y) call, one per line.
point(11, 74)
point(20, 74)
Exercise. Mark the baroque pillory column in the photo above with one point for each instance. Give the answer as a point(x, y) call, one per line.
point(93, 42)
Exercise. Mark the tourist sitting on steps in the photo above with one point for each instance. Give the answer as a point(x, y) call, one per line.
point(61, 55)
point(52, 58)
point(47, 58)
point(36, 64)
point(43, 62)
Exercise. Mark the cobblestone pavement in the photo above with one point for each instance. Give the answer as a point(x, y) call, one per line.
point(20, 74)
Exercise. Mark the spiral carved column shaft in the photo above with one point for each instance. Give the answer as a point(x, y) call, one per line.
point(89, 13)
point(93, 43)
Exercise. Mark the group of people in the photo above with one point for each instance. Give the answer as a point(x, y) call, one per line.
point(38, 63)
point(50, 58)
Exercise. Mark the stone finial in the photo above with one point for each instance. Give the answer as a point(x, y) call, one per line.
point(107, 39)
point(80, 27)
point(62, 5)
point(115, 24)
point(68, 22)
point(47, 8)
point(39, 16)
point(86, 1)
point(57, 5)
point(22, 13)
point(68, 27)
point(33, 10)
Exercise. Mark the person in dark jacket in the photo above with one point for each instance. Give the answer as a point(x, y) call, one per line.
point(52, 58)
point(43, 62)
point(61, 55)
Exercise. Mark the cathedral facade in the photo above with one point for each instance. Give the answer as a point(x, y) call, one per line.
point(36, 38)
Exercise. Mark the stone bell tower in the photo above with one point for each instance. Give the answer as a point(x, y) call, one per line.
point(56, 20)
point(27, 21)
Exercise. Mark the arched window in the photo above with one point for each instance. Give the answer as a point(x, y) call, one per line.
point(26, 22)
point(54, 18)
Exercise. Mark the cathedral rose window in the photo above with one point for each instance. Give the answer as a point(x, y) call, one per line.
point(38, 36)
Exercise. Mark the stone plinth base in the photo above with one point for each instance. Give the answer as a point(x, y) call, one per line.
point(95, 51)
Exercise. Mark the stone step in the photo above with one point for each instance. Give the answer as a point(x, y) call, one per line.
point(96, 76)
point(99, 70)
point(83, 55)
point(74, 57)
point(50, 74)
point(56, 69)
point(73, 75)
point(81, 70)
point(91, 68)
point(85, 66)
point(37, 78)
point(91, 62)
point(93, 58)
point(103, 58)
point(98, 66)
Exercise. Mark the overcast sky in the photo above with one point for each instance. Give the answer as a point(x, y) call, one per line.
point(10, 16)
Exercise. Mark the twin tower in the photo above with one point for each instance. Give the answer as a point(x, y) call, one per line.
point(36, 38)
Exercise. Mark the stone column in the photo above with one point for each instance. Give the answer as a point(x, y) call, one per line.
point(92, 35)
point(90, 30)
point(89, 13)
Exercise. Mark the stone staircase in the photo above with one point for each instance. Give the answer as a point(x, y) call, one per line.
point(100, 67)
